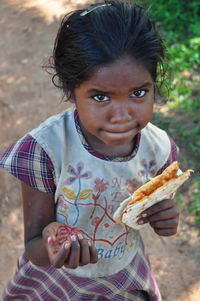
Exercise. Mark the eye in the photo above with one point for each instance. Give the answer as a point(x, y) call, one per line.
point(139, 93)
point(101, 98)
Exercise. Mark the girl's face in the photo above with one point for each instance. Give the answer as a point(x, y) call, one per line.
point(114, 105)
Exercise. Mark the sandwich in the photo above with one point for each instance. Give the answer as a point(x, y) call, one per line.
point(157, 189)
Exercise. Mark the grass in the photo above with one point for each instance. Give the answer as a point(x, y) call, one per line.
point(178, 22)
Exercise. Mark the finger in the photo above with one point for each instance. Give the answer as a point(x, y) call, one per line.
point(163, 205)
point(164, 215)
point(51, 239)
point(74, 257)
point(166, 232)
point(49, 236)
point(50, 232)
point(84, 250)
point(93, 252)
point(165, 224)
point(61, 256)
point(160, 216)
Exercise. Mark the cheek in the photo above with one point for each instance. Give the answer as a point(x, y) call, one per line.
point(149, 109)
point(89, 118)
point(93, 114)
point(144, 114)
point(150, 105)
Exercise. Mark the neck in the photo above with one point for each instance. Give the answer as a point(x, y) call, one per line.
point(114, 151)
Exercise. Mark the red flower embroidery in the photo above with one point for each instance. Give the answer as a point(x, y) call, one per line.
point(100, 185)
point(133, 184)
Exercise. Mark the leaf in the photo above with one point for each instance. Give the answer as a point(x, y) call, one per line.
point(69, 193)
point(62, 211)
point(85, 194)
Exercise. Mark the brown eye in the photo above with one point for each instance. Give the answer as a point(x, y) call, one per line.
point(138, 93)
point(101, 98)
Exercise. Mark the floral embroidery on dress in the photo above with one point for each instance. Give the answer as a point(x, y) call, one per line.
point(133, 184)
point(149, 169)
point(100, 186)
point(94, 200)
point(77, 174)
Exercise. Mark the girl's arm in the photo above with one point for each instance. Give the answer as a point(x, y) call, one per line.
point(39, 211)
point(39, 225)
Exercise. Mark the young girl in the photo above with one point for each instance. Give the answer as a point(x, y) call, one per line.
point(77, 166)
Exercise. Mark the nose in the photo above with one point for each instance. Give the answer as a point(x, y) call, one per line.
point(120, 113)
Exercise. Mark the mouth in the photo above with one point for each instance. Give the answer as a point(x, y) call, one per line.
point(120, 135)
point(122, 129)
point(119, 132)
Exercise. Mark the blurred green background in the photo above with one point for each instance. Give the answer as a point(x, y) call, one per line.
point(178, 22)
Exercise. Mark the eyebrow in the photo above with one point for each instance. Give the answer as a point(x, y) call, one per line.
point(147, 84)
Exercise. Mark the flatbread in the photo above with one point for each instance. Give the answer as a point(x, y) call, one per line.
point(130, 209)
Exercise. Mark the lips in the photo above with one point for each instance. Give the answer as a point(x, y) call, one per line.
point(119, 132)
point(121, 129)
point(120, 135)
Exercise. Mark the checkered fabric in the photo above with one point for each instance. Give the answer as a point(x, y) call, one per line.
point(135, 282)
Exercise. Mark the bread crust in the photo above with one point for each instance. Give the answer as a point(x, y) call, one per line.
point(159, 188)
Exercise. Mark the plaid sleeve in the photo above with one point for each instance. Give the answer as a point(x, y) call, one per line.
point(26, 160)
point(172, 156)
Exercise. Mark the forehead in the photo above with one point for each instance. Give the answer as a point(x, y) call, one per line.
point(124, 74)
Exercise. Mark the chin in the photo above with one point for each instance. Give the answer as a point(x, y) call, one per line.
point(119, 142)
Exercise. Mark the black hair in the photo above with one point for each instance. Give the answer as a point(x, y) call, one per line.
point(99, 36)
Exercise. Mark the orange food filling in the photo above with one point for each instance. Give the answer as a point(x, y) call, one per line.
point(169, 173)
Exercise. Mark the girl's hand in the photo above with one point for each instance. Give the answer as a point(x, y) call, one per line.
point(163, 217)
point(67, 246)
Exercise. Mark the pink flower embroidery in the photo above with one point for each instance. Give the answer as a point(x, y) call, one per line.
point(77, 173)
point(100, 185)
point(132, 184)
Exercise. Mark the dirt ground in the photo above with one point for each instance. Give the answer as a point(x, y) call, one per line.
point(27, 97)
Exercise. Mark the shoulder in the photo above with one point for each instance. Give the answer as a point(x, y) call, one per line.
point(155, 136)
point(26, 160)
point(53, 133)
point(55, 136)
point(154, 131)
point(155, 144)
point(53, 123)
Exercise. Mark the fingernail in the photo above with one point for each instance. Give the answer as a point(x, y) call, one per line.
point(67, 244)
point(73, 237)
point(80, 236)
point(50, 240)
point(89, 243)
point(140, 222)
point(144, 214)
